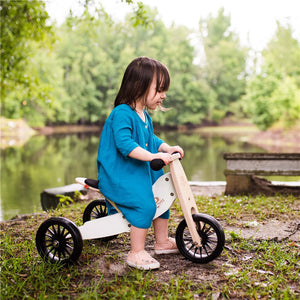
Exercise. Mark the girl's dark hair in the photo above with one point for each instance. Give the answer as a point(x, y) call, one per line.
point(138, 78)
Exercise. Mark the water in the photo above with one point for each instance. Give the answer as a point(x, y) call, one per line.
point(53, 161)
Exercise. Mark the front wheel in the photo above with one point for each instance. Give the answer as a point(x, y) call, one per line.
point(59, 240)
point(211, 235)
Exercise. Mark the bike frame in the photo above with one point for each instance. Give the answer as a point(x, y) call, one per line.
point(166, 189)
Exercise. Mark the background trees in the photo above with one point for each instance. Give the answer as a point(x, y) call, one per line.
point(272, 95)
point(23, 31)
point(71, 73)
point(224, 64)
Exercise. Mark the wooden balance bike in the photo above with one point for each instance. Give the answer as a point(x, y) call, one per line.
point(199, 237)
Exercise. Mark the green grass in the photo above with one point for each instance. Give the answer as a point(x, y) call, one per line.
point(234, 209)
point(264, 269)
point(247, 268)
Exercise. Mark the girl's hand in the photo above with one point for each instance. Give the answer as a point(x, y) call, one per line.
point(172, 149)
point(166, 157)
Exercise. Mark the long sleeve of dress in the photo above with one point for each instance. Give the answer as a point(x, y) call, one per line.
point(122, 128)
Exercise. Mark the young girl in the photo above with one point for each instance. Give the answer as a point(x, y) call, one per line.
point(127, 145)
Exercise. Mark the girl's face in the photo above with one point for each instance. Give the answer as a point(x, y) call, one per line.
point(154, 99)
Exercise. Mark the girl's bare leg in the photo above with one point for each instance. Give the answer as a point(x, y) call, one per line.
point(163, 244)
point(138, 257)
point(161, 230)
point(137, 239)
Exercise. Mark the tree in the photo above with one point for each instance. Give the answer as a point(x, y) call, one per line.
point(257, 101)
point(172, 47)
point(224, 64)
point(26, 91)
point(22, 22)
point(273, 94)
point(95, 52)
point(282, 54)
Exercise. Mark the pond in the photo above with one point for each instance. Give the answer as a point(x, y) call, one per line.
point(53, 161)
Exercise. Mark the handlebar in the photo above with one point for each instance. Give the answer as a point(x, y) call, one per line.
point(157, 163)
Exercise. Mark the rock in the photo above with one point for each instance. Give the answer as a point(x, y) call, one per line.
point(50, 200)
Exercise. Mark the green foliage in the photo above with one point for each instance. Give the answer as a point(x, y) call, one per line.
point(22, 23)
point(71, 74)
point(224, 65)
point(89, 70)
point(258, 100)
point(286, 99)
point(273, 94)
point(67, 200)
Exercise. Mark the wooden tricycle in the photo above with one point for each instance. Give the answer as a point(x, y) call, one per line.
point(199, 237)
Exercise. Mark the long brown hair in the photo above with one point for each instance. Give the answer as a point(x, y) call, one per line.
point(138, 78)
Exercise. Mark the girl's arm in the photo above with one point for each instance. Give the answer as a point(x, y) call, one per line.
point(144, 155)
point(164, 153)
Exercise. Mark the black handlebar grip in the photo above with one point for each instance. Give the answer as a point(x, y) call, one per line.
point(156, 164)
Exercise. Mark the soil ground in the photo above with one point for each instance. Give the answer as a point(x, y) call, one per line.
point(276, 230)
point(110, 259)
point(177, 265)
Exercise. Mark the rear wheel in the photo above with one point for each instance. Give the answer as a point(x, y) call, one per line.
point(95, 210)
point(211, 235)
point(59, 240)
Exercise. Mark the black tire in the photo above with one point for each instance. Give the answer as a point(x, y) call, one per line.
point(212, 239)
point(58, 240)
point(95, 210)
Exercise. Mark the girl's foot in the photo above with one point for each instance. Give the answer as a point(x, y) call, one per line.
point(166, 248)
point(142, 260)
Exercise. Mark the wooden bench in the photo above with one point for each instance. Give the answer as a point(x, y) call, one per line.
point(242, 168)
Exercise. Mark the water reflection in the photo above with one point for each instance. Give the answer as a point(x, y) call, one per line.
point(51, 161)
point(203, 159)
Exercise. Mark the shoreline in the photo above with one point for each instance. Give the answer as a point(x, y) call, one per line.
point(15, 133)
point(205, 188)
point(199, 188)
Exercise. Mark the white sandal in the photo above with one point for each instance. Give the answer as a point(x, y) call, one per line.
point(168, 247)
point(142, 260)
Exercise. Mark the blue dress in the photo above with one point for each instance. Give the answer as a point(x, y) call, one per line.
point(124, 180)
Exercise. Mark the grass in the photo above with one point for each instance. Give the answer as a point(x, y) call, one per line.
point(266, 269)
point(260, 208)
point(247, 268)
